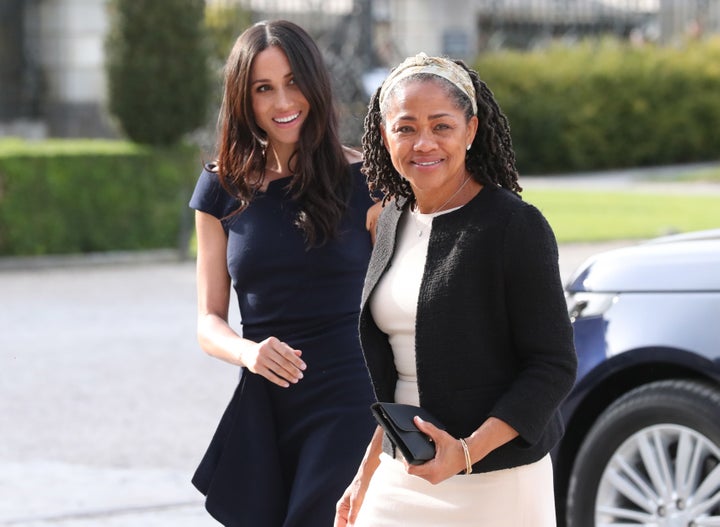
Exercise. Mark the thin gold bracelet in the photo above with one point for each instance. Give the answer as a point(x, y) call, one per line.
point(466, 451)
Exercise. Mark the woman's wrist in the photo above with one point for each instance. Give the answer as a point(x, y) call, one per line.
point(493, 433)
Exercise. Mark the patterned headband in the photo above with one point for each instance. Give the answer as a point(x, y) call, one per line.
point(442, 67)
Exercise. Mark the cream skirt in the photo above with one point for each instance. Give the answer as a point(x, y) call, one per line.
point(517, 497)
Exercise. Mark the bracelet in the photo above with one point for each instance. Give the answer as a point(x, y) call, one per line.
point(468, 461)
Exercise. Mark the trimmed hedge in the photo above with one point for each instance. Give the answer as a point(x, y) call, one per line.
point(607, 104)
point(60, 196)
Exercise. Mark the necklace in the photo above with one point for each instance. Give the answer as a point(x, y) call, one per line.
point(420, 224)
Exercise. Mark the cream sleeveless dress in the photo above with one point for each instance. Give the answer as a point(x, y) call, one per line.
point(517, 497)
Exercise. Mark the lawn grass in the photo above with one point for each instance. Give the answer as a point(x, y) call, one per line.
point(597, 216)
point(587, 216)
point(576, 215)
point(13, 147)
point(710, 175)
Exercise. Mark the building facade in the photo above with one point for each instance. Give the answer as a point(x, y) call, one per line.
point(52, 78)
point(52, 70)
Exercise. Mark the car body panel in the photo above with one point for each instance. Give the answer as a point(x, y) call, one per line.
point(640, 314)
point(682, 266)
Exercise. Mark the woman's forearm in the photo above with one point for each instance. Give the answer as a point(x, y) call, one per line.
point(492, 434)
point(374, 449)
point(218, 339)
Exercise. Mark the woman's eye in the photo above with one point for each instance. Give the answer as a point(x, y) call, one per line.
point(442, 127)
point(403, 129)
point(263, 88)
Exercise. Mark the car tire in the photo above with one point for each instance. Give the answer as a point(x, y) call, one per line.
point(635, 464)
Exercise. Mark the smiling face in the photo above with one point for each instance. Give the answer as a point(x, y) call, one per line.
point(427, 135)
point(279, 107)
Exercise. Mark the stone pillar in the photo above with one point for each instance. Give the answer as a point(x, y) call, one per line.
point(437, 28)
point(72, 49)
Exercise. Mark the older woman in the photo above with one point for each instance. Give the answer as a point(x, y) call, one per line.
point(463, 311)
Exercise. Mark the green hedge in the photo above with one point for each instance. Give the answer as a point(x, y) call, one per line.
point(605, 104)
point(61, 196)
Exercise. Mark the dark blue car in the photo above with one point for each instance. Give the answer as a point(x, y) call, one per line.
point(642, 442)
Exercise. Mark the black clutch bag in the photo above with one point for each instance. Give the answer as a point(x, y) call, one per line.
point(397, 421)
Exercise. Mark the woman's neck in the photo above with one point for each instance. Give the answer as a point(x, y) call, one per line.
point(277, 160)
point(430, 204)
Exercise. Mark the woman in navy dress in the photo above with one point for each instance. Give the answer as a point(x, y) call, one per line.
point(284, 217)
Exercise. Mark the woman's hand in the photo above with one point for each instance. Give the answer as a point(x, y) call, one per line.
point(274, 360)
point(348, 506)
point(449, 457)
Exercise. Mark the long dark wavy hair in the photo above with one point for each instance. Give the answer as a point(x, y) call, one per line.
point(490, 160)
point(320, 180)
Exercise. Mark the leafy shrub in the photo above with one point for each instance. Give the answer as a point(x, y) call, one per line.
point(157, 64)
point(605, 104)
point(88, 196)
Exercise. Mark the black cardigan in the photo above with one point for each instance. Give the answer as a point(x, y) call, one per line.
point(493, 336)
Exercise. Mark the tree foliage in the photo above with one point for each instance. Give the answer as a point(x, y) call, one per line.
point(224, 22)
point(158, 75)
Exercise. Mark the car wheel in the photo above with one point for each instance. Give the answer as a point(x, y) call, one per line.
point(652, 458)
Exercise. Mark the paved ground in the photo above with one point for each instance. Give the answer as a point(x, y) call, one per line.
point(106, 401)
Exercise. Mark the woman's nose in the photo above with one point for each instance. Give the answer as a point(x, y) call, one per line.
point(424, 142)
point(282, 99)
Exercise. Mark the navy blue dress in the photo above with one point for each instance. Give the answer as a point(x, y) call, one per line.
point(284, 456)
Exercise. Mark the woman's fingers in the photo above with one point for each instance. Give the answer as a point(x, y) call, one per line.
point(282, 363)
point(342, 512)
point(427, 427)
point(448, 455)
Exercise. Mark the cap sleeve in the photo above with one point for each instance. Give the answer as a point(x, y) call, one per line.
point(209, 196)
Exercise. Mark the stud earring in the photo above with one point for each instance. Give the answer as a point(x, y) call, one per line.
point(468, 147)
